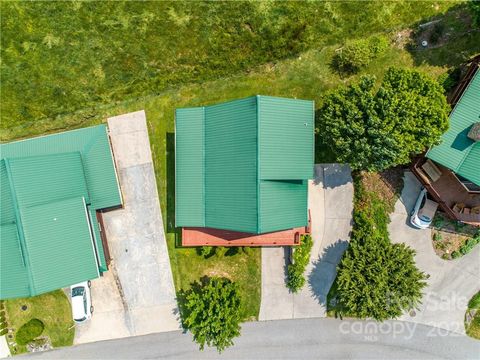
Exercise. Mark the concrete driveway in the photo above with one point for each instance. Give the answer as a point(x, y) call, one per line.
point(137, 295)
point(330, 200)
point(452, 282)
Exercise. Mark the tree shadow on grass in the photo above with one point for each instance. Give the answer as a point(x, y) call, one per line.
point(324, 270)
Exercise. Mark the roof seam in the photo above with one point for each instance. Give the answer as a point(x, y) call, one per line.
point(257, 100)
point(21, 237)
point(204, 119)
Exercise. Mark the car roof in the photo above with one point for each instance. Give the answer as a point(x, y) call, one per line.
point(429, 208)
point(78, 310)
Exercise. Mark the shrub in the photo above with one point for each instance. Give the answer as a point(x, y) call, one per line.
point(357, 54)
point(437, 237)
point(206, 251)
point(29, 331)
point(221, 251)
point(469, 245)
point(301, 258)
point(247, 250)
point(456, 254)
point(212, 312)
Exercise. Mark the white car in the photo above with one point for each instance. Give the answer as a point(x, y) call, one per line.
point(423, 211)
point(82, 308)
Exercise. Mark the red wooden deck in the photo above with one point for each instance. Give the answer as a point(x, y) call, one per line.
point(197, 236)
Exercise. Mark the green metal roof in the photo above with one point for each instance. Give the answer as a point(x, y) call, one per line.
point(456, 151)
point(51, 187)
point(243, 165)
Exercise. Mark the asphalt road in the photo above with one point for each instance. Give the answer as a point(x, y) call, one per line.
point(291, 339)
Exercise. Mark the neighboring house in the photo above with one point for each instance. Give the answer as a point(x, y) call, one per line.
point(242, 170)
point(450, 171)
point(52, 188)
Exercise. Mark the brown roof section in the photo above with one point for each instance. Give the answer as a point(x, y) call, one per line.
point(198, 236)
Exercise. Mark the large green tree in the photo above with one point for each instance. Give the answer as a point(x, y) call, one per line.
point(378, 279)
point(374, 129)
point(212, 312)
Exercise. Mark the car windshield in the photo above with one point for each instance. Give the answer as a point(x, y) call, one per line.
point(425, 218)
point(78, 291)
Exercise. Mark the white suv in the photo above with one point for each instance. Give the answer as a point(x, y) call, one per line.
point(82, 308)
point(423, 211)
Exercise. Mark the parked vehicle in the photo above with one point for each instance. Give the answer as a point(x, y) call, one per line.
point(423, 211)
point(82, 308)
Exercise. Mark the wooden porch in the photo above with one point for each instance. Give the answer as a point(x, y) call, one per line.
point(445, 188)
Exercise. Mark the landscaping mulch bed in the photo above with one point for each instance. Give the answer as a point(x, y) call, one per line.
point(448, 236)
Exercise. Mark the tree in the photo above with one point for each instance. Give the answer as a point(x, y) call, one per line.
point(475, 10)
point(377, 129)
point(378, 279)
point(212, 312)
point(357, 54)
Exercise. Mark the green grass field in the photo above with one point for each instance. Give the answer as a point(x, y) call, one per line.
point(60, 57)
point(196, 79)
point(53, 309)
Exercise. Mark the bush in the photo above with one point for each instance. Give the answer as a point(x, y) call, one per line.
point(29, 331)
point(212, 312)
point(301, 258)
point(220, 251)
point(357, 54)
point(206, 251)
point(247, 250)
point(469, 245)
point(456, 254)
point(437, 237)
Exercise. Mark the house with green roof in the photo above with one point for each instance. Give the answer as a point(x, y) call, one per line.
point(451, 170)
point(243, 166)
point(51, 190)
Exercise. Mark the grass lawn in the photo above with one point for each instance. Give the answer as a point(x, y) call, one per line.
point(53, 309)
point(59, 57)
point(473, 329)
point(307, 75)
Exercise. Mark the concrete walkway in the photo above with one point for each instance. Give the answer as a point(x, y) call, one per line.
point(137, 295)
point(452, 282)
point(4, 349)
point(330, 200)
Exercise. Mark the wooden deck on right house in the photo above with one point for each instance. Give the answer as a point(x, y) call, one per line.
point(448, 191)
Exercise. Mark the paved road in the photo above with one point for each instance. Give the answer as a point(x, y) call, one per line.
point(291, 339)
point(330, 200)
point(452, 282)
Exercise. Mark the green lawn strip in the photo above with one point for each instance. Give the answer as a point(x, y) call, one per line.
point(473, 329)
point(53, 309)
point(59, 57)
